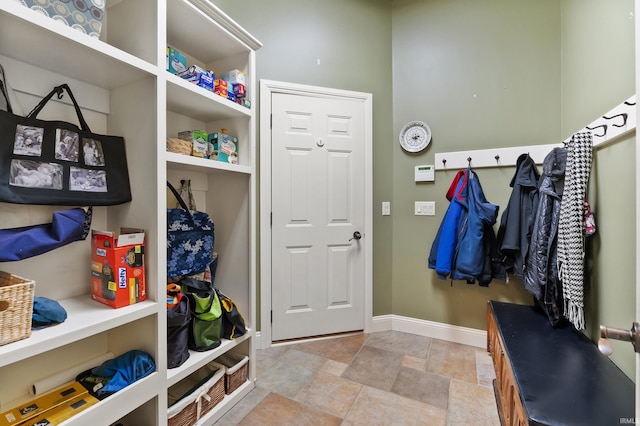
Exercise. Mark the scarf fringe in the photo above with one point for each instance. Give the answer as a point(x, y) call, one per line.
point(575, 314)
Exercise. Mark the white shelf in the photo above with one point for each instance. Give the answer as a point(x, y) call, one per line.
point(85, 317)
point(183, 17)
point(200, 359)
point(196, 102)
point(118, 405)
point(197, 164)
point(35, 39)
point(126, 68)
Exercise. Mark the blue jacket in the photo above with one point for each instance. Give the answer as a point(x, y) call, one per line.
point(460, 248)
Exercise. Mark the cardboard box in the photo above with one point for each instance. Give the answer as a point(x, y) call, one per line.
point(244, 102)
point(117, 267)
point(199, 139)
point(63, 412)
point(239, 90)
point(225, 147)
point(234, 77)
point(42, 404)
point(199, 76)
point(177, 61)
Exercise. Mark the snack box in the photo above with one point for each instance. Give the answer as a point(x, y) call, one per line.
point(199, 140)
point(244, 102)
point(42, 404)
point(225, 147)
point(239, 90)
point(199, 76)
point(221, 88)
point(234, 77)
point(63, 412)
point(177, 62)
point(117, 267)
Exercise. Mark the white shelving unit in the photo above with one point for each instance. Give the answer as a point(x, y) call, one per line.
point(122, 85)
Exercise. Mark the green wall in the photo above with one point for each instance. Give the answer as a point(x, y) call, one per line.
point(488, 77)
point(352, 41)
point(598, 73)
point(495, 73)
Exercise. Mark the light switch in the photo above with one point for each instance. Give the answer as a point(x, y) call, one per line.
point(386, 208)
point(430, 208)
point(425, 208)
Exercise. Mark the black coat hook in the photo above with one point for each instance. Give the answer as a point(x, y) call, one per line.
point(497, 157)
point(604, 129)
point(629, 103)
point(469, 161)
point(444, 162)
point(624, 116)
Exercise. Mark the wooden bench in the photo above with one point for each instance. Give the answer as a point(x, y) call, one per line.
point(547, 376)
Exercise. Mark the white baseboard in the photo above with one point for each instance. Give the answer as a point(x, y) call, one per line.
point(436, 330)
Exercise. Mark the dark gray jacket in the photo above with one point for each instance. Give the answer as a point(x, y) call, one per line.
point(517, 218)
point(541, 272)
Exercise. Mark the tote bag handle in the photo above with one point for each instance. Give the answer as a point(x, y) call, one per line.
point(180, 200)
point(4, 89)
point(59, 90)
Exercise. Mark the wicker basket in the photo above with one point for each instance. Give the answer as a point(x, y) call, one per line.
point(16, 307)
point(192, 398)
point(236, 370)
point(179, 146)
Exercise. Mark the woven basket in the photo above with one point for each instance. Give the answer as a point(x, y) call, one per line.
point(16, 307)
point(179, 146)
point(236, 370)
point(192, 398)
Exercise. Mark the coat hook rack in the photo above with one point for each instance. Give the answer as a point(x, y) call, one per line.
point(624, 116)
point(604, 129)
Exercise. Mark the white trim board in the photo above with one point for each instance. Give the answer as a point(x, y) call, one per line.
point(608, 128)
point(435, 330)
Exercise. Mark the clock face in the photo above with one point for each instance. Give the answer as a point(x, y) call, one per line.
point(415, 136)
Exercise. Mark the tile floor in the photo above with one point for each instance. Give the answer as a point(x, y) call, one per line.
point(383, 378)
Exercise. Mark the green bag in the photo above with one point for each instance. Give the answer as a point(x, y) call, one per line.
point(206, 320)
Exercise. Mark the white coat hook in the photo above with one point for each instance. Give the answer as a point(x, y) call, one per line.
point(320, 142)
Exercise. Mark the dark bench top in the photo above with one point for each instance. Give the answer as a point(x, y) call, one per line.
point(562, 377)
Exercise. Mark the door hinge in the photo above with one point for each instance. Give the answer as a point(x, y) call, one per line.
point(271, 317)
point(271, 219)
point(271, 121)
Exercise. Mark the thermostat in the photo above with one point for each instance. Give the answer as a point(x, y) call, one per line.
point(425, 173)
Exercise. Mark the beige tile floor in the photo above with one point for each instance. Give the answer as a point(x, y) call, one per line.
point(383, 378)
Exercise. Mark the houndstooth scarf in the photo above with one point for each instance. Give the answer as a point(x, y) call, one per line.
point(570, 236)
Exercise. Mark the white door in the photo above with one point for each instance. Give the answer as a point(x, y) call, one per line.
point(318, 215)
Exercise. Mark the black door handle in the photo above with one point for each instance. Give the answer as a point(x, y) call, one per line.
point(356, 236)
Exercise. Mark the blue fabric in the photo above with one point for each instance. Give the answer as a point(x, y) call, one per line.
point(458, 249)
point(46, 312)
point(471, 253)
point(443, 249)
point(66, 227)
point(124, 370)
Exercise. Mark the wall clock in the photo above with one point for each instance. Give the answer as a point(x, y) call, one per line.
point(415, 136)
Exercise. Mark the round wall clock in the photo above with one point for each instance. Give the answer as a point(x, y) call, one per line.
point(415, 136)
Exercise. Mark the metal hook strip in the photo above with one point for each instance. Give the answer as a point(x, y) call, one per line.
point(624, 116)
point(604, 129)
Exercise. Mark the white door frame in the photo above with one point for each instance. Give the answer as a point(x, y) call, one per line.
point(267, 89)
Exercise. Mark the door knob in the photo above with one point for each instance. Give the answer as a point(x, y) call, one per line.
point(356, 236)
point(632, 336)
